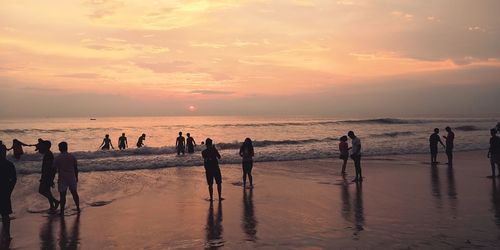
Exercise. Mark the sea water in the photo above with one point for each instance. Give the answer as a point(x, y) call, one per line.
point(275, 138)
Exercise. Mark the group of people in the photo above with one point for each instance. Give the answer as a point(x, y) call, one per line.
point(434, 139)
point(355, 154)
point(182, 144)
point(64, 166)
point(122, 142)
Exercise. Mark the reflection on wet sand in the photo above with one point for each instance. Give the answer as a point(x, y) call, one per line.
point(73, 240)
point(495, 200)
point(357, 206)
point(47, 239)
point(451, 187)
point(214, 229)
point(249, 222)
point(436, 185)
point(5, 239)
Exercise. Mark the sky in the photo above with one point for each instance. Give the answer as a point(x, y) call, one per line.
point(295, 57)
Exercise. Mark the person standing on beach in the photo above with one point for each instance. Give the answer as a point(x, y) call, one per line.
point(8, 179)
point(247, 153)
point(344, 152)
point(190, 143)
point(180, 144)
point(494, 152)
point(122, 142)
point(67, 169)
point(140, 141)
point(17, 147)
point(449, 139)
point(356, 155)
point(48, 175)
point(106, 143)
point(211, 158)
point(433, 142)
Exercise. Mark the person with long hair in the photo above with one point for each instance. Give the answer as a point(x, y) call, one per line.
point(247, 153)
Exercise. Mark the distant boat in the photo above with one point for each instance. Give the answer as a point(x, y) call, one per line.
point(92, 119)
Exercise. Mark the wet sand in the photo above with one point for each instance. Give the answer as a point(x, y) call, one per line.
point(403, 203)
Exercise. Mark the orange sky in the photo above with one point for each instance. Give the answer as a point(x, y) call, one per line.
point(203, 50)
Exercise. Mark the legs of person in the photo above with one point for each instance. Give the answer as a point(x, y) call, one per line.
point(211, 191)
point(344, 164)
point(210, 183)
point(44, 189)
point(244, 174)
point(358, 168)
point(218, 180)
point(76, 198)
point(249, 172)
point(63, 201)
point(449, 154)
point(492, 162)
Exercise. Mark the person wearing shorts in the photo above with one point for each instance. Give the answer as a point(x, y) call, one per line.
point(247, 153)
point(67, 169)
point(211, 158)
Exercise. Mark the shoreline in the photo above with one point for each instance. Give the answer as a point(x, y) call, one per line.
point(295, 204)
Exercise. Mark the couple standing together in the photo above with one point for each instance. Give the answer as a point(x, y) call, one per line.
point(355, 154)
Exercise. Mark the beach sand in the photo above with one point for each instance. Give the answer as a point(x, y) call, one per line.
point(403, 203)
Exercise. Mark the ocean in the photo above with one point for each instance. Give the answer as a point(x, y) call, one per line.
point(275, 138)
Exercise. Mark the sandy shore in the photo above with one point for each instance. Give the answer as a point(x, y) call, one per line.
point(404, 203)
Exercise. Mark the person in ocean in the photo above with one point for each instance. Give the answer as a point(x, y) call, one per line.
point(344, 152)
point(140, 141)
point(106, 143)
point(67, 169)
point(180, 144)
point(449, 139)
point(8, 179)
point(434, 139)
point(494, 152)
point(211, 158)
point(38, 145)
point(122, 142)
point(17, 147)
point(190, 143)
point(247, 153)
point(48, 175)
point(356, 155)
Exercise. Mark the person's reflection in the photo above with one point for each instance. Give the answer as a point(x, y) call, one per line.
point(495, 200)
point(47, 240)
point(249, 223)
point(73, 240)
point(436, 185)
point(358, 208)
point(5, 237)
point(346, 200)
point(214, 228)
point(452, 190)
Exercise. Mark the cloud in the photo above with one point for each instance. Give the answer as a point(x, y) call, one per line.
point(80, 75)
point(211, 92)
point(166, 67)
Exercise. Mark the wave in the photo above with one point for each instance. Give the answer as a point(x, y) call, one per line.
point(468, 128)
point(393, 134)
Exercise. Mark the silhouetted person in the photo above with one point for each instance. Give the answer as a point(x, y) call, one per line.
point(211, 158)
point(180, 144)
point(450, 138)
point(433, 143)
point(247, 153)
point(344, 152)
point(122, 142)
point(38, 145)
point(106, 143)
point(249, 222)
point(494, 152)
point(356, 155)
point(190, 143)
point(48, 174)
point(17, 147)
point(140, 141)
point(214, 229)
point(67, 169)
point(8, 179)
